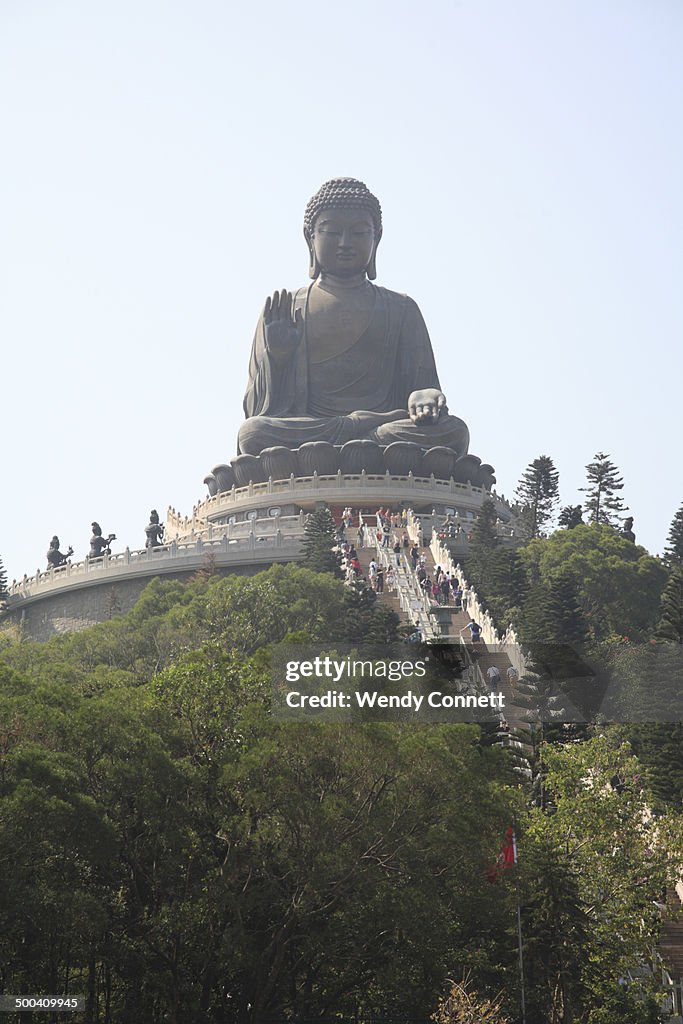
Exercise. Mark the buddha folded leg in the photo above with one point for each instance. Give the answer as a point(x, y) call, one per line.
point(448, 431)
point(259, 432)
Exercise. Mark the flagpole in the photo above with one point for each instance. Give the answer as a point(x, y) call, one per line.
point(521, 961)
point(519, 934)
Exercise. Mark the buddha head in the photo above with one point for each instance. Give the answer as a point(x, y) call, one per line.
point(342, 228)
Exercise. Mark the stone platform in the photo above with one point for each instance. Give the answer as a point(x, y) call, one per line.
point(363, 492)
point(242, 530)
point(351, 460)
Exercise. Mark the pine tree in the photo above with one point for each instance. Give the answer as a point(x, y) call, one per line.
point(320, 540)
point(603, 504)
point(483, 547)
point(556, 928)
point(570, 516)
point(484, 532)
point(660, 748)
point(538, 492)
point(670, 625)
point(3, 581)
point(505, 586)
point(673, 552)
point(571, 622)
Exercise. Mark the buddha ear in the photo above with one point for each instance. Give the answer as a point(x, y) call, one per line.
point(372, 265)
point(313, 265)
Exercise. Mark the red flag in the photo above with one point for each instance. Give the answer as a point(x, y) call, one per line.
point(507, 858)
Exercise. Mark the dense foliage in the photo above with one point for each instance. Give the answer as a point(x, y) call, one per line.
point(585, 582)
point(178, 853)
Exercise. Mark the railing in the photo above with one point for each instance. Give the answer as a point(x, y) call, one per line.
point(461, 527)
point(225, 543)
point(508, 642)
point(379, 485)
point(412, 599)
point(419, 605)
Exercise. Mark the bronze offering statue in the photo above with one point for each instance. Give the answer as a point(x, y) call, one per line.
point(100, 545)
point(154, 531)
point(55, 557)
point(343, 358)
point(627, 530)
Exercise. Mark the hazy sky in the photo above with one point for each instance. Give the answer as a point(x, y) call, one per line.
point(156, 160)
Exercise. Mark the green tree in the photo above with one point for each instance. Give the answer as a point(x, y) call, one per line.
point(553, 612)
point(555, 930)
point(617, 583)
point(484, 544)
point(538, 492)
point(603, 503)
point(620, 859)
point(3, 581)
point(320, 540)
point(484, 532)
point(570, 516)
point(644, 682)
point(199, 859)
point(673, 552)
point(627, 1004)
point(365, 618)
point(670, 624)
point(659, 747)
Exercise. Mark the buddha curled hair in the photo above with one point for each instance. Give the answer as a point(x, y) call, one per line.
point(343, 193)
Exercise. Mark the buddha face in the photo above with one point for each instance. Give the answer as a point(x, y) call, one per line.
point(343, 241)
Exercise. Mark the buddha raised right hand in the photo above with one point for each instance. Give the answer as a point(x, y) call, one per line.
point(283, 331)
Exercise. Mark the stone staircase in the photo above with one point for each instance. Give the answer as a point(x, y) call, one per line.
point(451, 622)
point(389, 599)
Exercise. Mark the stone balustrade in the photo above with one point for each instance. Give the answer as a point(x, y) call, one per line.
point(227, 546)
point(412, 599)
point(508, 642)
point(339, 488)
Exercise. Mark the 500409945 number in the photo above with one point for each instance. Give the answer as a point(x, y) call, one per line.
point(38, 1003)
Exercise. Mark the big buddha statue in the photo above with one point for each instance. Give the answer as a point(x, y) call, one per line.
point(343, 359)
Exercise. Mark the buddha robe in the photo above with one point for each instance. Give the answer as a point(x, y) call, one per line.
point(361, 392)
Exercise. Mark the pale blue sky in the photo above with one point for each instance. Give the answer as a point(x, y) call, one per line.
point(156, 159)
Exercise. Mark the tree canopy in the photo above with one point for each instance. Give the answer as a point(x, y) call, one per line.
point(673, 552)
point(180, 854)
point(538, 494)
point(320, 539)
point(603, 503)
point(618, 583)
point(177, 852)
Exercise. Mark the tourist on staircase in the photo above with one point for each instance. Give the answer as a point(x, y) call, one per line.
point(475, 631)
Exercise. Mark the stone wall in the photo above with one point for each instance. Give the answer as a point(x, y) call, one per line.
point(77, 608)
